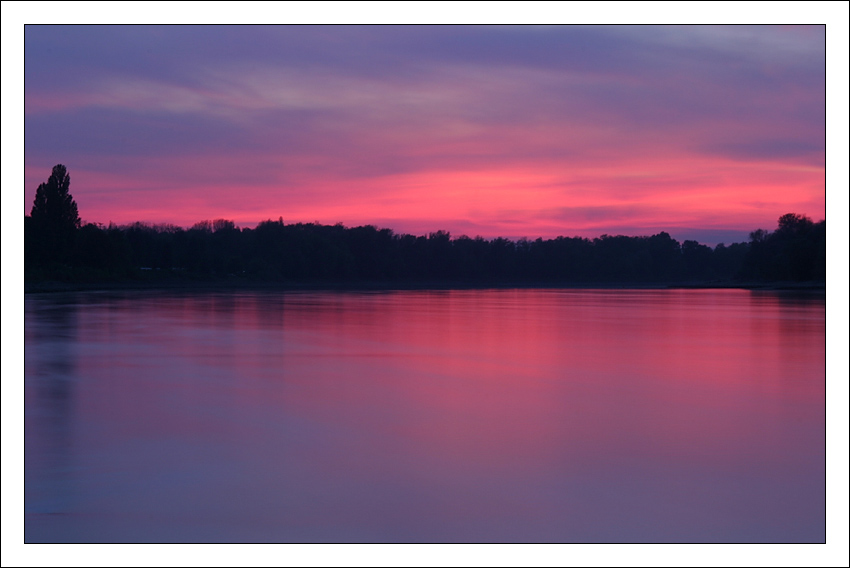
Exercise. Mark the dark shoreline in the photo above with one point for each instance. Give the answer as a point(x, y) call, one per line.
point(239, 284)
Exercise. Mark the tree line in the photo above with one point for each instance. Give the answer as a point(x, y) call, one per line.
point(59, 247)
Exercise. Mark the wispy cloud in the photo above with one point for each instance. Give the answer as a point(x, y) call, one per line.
point(478, 126)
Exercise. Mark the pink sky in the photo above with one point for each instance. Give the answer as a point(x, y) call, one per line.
point(705, 132)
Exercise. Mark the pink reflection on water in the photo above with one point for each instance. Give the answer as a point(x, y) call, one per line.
point(506, 415)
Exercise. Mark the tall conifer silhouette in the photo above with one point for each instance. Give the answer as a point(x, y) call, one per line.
point(54, 217)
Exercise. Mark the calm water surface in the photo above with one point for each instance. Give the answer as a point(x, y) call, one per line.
point(496, 415)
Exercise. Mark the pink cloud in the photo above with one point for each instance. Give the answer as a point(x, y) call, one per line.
point(668, 127)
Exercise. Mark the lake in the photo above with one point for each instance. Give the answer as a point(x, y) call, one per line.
point(425, 416)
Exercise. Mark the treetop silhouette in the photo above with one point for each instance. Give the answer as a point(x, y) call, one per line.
point(53, 205)
point(53, 222)
point(58, 248)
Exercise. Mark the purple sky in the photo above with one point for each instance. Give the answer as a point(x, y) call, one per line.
point(707, 132)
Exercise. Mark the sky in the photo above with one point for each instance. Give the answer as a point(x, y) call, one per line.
point(707, 132)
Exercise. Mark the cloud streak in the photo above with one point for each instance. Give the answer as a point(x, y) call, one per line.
point(536, 130)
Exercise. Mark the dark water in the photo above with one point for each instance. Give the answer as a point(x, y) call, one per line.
point(501, 415)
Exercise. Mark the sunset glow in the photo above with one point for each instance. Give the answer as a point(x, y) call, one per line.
point(705, 132)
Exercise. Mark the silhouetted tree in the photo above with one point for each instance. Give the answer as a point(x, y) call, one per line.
point(316, 253)
point(696, 261)
point(728, 261)
point(54, 219)
point(795, 251)
point(792, 223)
